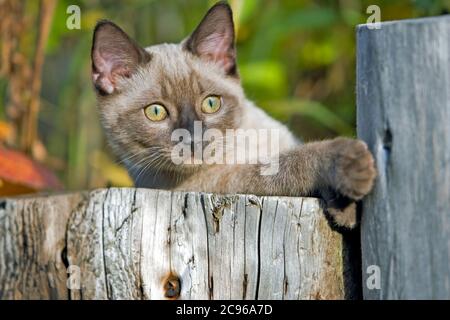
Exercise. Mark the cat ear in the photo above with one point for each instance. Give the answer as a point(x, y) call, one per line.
point(114, 54)
point(213, 39)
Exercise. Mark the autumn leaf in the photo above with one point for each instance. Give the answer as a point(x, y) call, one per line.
point(24, 174)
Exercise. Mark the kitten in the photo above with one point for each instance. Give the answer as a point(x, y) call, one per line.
point(145, 94)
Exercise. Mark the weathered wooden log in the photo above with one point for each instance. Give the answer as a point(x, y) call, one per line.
point(403, 89)
point(151, 244)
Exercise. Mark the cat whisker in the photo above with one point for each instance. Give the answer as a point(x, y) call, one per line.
point(137, 164)
point(156, 161)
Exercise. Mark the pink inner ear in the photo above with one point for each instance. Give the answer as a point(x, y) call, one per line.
point(107, 67)
point(102, 75)
point(216, 48)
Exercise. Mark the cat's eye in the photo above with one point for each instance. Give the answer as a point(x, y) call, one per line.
point(211, 104)
point(155, 112)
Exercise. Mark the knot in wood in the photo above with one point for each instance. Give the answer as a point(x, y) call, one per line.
point(172, 287)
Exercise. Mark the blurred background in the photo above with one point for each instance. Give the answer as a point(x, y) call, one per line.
point(296, 59)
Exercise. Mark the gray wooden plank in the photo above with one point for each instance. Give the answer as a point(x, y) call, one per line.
point(403, 98)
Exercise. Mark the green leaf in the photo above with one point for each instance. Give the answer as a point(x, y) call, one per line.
point(265, 79)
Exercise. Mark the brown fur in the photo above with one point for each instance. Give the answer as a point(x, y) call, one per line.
point(180, 76)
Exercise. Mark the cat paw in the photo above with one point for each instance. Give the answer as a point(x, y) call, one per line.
point(354, 168)
point(344, 217)
point(341, 210)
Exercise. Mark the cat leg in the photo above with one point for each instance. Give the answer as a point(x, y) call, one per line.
point(341, 171)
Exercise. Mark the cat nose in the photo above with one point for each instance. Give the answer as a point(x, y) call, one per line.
point(187, 119)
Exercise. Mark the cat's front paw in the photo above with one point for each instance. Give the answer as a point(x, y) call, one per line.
point(354, 169)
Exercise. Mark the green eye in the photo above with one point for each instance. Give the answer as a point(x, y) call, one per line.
point(211, 104)
point(155, 112)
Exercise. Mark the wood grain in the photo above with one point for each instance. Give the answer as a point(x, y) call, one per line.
point(152, 244)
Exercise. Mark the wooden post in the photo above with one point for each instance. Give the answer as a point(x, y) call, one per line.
point(150, 244)
point(403, 98)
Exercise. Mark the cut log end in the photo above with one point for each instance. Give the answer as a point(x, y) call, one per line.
point(151, 244)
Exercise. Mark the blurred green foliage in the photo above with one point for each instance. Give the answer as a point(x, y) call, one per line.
point(296, 59)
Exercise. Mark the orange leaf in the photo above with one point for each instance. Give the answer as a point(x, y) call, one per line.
point(17, 168)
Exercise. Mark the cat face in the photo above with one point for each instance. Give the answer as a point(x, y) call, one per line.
point(146, 94)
